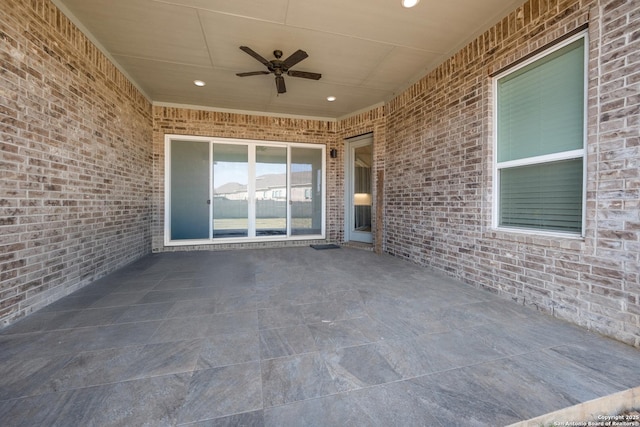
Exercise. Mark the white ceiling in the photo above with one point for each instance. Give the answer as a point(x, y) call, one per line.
point(366, 50)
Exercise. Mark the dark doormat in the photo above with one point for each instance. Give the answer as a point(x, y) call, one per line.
point(325, 246)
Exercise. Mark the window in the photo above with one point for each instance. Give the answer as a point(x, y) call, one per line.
point(229, 190)
point(540, 134)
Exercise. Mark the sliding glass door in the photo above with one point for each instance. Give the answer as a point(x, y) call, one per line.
point(271, 191)
point(230, 181)
point(220, 191)
point(306, 191)
point(189, 190)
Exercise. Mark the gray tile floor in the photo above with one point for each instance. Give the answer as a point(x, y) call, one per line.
point(296, 337)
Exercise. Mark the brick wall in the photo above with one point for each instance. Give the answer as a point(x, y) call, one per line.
point(82, 188)
point(438, 168)
point(184, 121)
point(75, 159)
point(170, 120)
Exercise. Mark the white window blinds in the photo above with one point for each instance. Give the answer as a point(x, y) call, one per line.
point(540, 145)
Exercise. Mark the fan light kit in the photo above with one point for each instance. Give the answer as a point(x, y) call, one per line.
point(279, 67)
point(199, 83)
point(409, 3)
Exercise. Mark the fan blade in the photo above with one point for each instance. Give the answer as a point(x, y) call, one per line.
point(304, 74)
point(255, 55)
point(295, 57)
point(280, 84)
point(252, 73)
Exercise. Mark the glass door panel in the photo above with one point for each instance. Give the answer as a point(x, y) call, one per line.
point(230, 193)
point(271, 191)
point(359, 190)
point(306, 191)
point(362, 188)
point(189, 190)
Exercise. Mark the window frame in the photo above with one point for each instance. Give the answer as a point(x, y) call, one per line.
point(541, 159)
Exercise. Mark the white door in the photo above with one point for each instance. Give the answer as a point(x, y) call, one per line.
point(358, 188)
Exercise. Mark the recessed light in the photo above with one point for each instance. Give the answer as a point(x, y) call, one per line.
point(199, 83)
point(409, 3)
point(331, 98)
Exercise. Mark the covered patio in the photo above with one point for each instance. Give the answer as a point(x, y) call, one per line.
point(296, 336)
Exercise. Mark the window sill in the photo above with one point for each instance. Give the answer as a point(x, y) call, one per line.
point(241, 240)
point(538, 238)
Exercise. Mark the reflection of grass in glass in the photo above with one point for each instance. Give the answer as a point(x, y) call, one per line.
point(230, 224)
point(299, 223)
point(261, 223)
point(271, 223)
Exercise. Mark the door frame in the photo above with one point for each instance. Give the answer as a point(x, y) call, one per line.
point(350, 144)
point(321, 178)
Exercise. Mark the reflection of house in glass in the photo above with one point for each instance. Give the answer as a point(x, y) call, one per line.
point(270, 187)
point(230, 204)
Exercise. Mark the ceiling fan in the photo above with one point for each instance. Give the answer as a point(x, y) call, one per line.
point(280, 67)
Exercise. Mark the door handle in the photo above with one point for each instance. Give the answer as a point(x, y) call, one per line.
point(209, 201)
